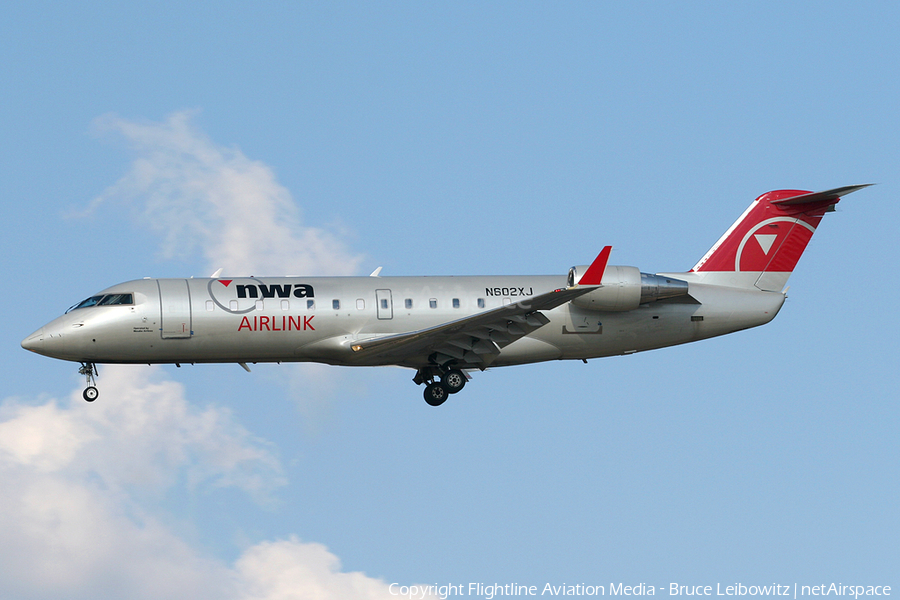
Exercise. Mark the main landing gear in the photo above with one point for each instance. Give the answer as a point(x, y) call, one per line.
point(89, 370)
point(437, 392)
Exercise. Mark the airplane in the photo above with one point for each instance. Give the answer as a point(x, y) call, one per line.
point(446, 327)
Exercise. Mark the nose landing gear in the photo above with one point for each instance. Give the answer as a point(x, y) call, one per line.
point(89, 370)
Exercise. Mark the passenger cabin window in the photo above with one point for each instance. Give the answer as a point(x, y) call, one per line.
point(310, 304)
point(361, 304)
point(210, 306)
point(259, 305)
point(336, 304)
point(233, 304)
point(285, 305)
point(456, 303)
point(432, 303)
point(408, 303)
point(384, 303)
point(481, 303)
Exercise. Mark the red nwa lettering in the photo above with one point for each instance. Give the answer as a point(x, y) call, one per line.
point(263, 322)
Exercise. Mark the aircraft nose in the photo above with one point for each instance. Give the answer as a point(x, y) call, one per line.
point(34, 341)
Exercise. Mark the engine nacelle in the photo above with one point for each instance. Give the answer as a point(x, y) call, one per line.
point(620, 289)
point(625, 288)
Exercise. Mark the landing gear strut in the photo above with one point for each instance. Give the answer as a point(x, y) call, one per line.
point(89, 370)
point(437, 392)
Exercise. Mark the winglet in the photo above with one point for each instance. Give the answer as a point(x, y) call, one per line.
point(594, 274)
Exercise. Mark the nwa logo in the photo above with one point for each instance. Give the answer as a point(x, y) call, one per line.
point(226, 295)
point(773, 245)
point(297, 290)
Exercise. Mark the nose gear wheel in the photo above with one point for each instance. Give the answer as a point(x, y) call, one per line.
point(89, 370)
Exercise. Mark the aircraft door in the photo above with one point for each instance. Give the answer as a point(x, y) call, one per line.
point(384, 304)
point(175, 308)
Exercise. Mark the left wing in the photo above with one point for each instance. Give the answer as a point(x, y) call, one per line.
point(476, 341)
point(473, 342)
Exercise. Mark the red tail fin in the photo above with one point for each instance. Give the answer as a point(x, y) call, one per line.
point(763, 246)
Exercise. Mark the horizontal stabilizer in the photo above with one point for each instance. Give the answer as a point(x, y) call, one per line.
point(825, 196)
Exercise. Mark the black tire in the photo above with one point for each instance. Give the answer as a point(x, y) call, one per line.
point(454, 381)
point(90, 393)
point(436, 394)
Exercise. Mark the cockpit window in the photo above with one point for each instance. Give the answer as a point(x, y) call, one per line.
point(104, 300)
point(116, 299)
point(92, 301)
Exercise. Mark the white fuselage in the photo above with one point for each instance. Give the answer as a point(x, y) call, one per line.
point(445, 327)
point(319, 319)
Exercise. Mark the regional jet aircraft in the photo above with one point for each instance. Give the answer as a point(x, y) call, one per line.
point(444, 328)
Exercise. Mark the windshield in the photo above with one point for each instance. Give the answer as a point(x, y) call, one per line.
point(116, 299)
point(104, 300)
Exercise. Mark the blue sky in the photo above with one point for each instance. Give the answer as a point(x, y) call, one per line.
point(457, 138)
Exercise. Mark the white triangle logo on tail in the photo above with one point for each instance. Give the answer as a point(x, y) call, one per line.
point(765, 241)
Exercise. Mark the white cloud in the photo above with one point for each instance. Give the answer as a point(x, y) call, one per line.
point(290, 569)
point(79, 508)
point(203, 197)
point(83, 502)
point(80, 515)
point(68, 537)
point(143, 435)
